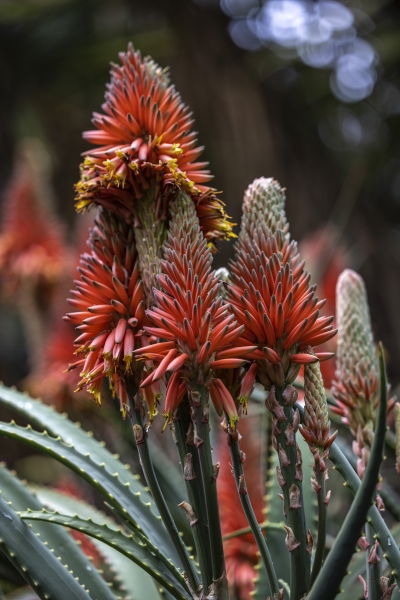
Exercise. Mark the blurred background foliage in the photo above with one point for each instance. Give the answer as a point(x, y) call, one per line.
point(306, 92)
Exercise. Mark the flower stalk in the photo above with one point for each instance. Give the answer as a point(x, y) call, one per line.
point(290, 477)
point(191, 469)
point(199, 399)
point(140, 433)
point(238, 459)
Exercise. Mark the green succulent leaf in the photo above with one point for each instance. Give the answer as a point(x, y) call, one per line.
point(137, 501)
point(122, 571)
point(58, 425)
point(139, 553)
point(39, 566)
point(56, 538)
point(118, 494)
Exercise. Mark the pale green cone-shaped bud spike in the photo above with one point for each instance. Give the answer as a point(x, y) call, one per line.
point(356, 385)
point(355, 338)
point(184, 216)
point(263, 203)
point(317, 424)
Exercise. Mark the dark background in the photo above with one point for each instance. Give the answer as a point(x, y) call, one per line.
point(260, 110)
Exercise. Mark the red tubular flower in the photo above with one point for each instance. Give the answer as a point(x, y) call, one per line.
point(247, 385)
point(145, 134)
point(110, 307)
point(271, 297)
point(223, 401)
point(191, 316)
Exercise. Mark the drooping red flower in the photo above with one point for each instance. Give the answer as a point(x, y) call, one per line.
point(31, 238)
point(110, 306)
point(271, 297)
point(145, 135)
point(192, 318)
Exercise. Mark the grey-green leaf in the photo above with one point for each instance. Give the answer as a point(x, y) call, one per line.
point(137, 500)
point(137, 583)
point(116, 493)
point(41, 568)
point(56, 538)
point(126, 544)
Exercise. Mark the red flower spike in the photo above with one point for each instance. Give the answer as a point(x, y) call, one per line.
point(270, 292)
point(190, 311)
point(110, 293)
point(145, 136)
point(31, 237)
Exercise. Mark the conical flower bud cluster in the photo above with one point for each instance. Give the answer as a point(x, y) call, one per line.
point(270, 293)
point(110, 306)
point(144, 137)
point(202, 336)
point(263, 202)
point(316, 428)
point(356, 385)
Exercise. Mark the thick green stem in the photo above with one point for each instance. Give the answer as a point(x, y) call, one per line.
point(150, 233)
point(373, 567)
point(194, 485)
point(152, 483)
point(249, 512)
point(321, 539)
point(209, 474)
point(291, 483)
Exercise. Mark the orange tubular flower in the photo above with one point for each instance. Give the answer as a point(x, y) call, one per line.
point(144, 136)
point(271, 297)
point(192, 317)
point(110, 307)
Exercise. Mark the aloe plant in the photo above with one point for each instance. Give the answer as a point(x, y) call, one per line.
point(159, 326)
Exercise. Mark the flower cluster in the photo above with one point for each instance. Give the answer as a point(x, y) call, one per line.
point(356, 386)
point(110, 307)
point(270, 291)
point(316, 428)
point(145, 136)
point(202, 336)
point(31, 238)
